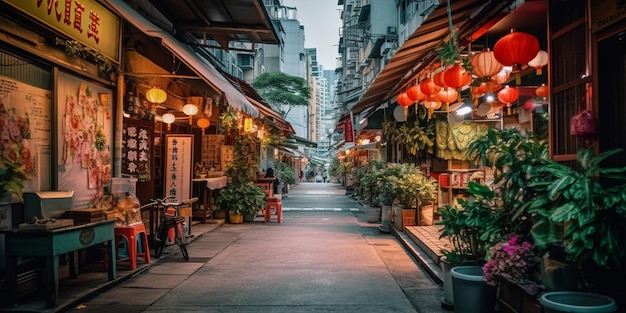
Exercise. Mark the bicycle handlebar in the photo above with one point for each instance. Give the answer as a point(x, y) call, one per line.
point(163, 202)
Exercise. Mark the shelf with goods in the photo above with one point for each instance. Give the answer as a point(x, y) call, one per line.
point(454, 180)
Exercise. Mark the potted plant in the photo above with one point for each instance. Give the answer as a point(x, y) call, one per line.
point(370, 191)
point(584, 211)
point(471, 230)
point(414, 190)
point(240, 199)
point(286, 176)
point(385, 188)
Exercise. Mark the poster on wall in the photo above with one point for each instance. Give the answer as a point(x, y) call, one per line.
point(85, 139)
point(25, 133)
point(178, 166)
point(136, 151)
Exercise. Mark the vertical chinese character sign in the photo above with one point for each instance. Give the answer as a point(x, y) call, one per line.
point(136, 151)
point(178, 166)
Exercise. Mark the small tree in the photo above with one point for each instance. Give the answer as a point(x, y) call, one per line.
point(283, 92)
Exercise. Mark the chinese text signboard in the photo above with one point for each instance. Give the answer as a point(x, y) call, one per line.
point(136, 151)
point(178, 166)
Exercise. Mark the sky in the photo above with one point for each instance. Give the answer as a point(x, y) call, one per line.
point(321, 21)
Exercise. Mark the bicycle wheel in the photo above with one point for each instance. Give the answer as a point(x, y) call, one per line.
point(159, 246)
point(181, 241)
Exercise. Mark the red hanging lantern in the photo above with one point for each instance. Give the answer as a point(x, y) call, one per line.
point(404, 102)
point(415, 93)
point(516, 49)
point(447, 95)
point(542, 91)
point(439, 79)
point(485, 65)
point(428, 87)
point(457, 76)
point(508, 95)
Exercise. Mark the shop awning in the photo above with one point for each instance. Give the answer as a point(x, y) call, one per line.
point(198, 64)
point(303, 141)
point(418, 51)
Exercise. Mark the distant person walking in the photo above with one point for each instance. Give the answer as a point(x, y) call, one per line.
point(324, 175)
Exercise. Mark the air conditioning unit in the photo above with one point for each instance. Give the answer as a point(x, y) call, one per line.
point(392, 30)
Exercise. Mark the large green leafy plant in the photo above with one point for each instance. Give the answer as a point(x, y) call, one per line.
point(588, 203)
point(412, 188)
point(474, 227)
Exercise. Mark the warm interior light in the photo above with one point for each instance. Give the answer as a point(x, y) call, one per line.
point(191, 110)
point(377, 138)
point(168, 118)
point(365, 141)
point(247, 124)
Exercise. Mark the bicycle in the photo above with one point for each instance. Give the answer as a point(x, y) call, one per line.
point(170, 219)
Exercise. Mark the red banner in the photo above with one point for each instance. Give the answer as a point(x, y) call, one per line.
point(348, 134)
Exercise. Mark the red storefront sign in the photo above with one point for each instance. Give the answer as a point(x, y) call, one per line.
point(348, 133)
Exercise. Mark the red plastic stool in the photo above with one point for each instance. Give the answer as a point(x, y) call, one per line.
point(130, 234)
point(273, 203)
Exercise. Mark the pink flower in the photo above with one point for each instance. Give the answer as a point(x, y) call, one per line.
point(509, 260)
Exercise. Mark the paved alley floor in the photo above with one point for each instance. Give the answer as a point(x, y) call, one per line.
point(324, 257)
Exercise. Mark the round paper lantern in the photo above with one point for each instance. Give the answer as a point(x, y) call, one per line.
point(431, 104)
point(428, 87)
point(156, 95)
point(168, 118)
point(447, 95)
point(403, 100)
point(507, 96)
point(539, 61)
point(415, 93)
point(502, 77)
point(484, 64)
point(457, 76)
point(190, 109)
point(516, 49)
point(542, 91)
point(203, 123)
point(439, 79)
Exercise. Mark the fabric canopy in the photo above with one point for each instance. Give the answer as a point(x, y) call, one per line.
point(198, 64)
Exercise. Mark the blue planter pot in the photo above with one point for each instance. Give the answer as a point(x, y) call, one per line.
point(576, 302)
point(471, 293)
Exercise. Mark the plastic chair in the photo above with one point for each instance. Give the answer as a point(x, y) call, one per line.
point(135, 237)
point(273, 204)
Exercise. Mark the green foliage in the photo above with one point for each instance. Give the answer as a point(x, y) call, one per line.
point(241, 198)
point(285, 173)
point(283, 92)
point(12, 176)
point(244, 166)
point(475, 227)
point(591, 202)
point(333, 169)
point(517, 157)
point(365, 178)
point(412, 188)
point(416, 138)
point(384, 184)
point(227, 121)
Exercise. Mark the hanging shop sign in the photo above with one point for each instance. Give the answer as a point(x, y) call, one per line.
point(178, 166)
point(348, 133)
point(86, 21)
point(136, 151)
